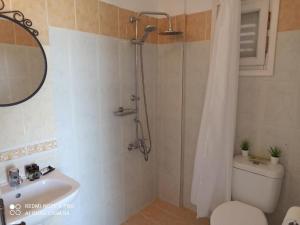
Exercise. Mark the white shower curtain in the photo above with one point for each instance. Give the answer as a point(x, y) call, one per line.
point(213, 162)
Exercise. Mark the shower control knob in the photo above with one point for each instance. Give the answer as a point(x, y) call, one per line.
point(134, 98)
point(131, 147)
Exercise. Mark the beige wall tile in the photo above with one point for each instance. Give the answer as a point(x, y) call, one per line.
point(109, 19)
point(208, 22)
point(86, 15)
point(7, 5)
point(289, 15)
point(61, 13)
point(126, 29)
point(36, 11)
point(6, 32)
point(180, 25)
point(99, 17)
point(195, 27)
point(268, 114)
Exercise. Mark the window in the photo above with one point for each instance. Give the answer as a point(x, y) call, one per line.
point(258, 37)
point(259, 20)
point(254, 25)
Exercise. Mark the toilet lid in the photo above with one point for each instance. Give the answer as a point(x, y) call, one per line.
point(237, 213)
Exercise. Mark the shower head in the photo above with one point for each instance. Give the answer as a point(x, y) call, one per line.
point(148, 29)
point(170, 32)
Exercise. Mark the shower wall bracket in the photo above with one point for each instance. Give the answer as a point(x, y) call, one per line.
point(125, 111)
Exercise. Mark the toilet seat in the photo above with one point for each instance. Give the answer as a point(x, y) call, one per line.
point(237, 213)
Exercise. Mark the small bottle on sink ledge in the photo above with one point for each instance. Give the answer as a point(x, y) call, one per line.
point(32, 172)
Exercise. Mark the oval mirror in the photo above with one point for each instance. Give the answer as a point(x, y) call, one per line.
point(23, 64)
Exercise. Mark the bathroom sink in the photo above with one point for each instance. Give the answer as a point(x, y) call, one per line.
point(34, 202)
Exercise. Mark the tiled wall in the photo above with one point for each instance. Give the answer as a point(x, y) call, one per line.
point(92, 142)
point(134, 5)
point(24, 125)
point(196, 73)
point(170, 83)
point(268, 111)
point(198, 26)
point(91, 16)
point(172, 61)
point(268, 114)
point(289, 18)
point(168, 120)
point(98, 17)
point(76, 113)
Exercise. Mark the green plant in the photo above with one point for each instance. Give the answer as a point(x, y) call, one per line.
point(245, 145)
point(275, 151)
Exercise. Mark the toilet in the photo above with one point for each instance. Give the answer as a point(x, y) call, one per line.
point(255, 190)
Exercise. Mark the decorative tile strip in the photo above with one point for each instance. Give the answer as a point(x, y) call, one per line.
point(27, 150)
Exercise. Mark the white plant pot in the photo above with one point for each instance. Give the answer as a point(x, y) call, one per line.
point(245, 153)
point(274, 160)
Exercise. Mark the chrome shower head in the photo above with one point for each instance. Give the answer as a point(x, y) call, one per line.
point(170, 32)
point(148, 29)
point(152, 28)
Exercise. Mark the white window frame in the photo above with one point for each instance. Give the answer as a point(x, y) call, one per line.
point(268, 68)
point(261, 6)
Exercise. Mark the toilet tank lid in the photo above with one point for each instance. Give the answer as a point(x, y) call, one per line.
point(262, 168)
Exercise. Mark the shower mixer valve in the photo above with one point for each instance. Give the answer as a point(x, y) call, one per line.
point(137, 144)
point(134, 98)
point(133, 146)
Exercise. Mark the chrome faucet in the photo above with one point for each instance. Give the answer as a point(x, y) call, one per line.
point(14, 178)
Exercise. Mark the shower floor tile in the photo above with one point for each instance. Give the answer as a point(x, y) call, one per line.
point(162, 213)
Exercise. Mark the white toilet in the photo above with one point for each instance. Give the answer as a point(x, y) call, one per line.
point(255, 191)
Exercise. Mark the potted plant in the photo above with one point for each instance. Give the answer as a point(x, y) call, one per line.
point(275, 153)
point(245, 146)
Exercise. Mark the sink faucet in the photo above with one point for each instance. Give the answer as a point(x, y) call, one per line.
point(14, 178)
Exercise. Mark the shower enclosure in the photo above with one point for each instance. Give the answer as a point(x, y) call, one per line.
point(158, 33)
point(143, 141)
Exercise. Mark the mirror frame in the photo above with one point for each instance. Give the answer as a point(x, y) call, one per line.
point(19, 19)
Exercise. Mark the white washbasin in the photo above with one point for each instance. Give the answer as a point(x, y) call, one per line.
point(34, 202)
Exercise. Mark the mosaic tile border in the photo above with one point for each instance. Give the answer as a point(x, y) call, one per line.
point(27, 150)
